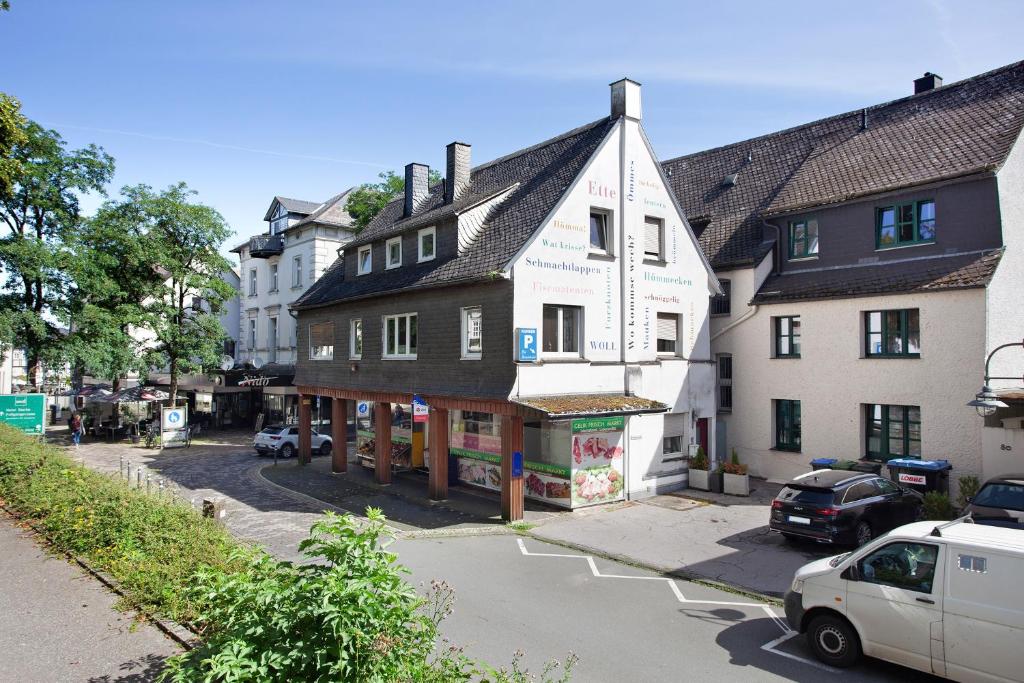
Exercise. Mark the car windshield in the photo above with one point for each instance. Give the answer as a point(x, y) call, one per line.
point(1005, 496)
point(789, 494)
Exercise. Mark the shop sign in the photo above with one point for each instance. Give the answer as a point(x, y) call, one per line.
point(526, 344)
point(254, 381)
point(420, 409)
point(173, 426)
point(599, 424)
point(918, 479)
point(24, 412)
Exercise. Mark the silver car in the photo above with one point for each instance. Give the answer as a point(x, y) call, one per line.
point(285, 442)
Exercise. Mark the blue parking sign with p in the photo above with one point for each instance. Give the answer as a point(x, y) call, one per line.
point(526, 346)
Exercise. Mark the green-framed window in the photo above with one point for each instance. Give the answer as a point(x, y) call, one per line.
point(787, 336)
point(903, 224)
point(803, 238)
point(894, 333)
point(787, 425)
point(892, 432)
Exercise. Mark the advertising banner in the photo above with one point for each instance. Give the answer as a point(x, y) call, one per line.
point(24, 411)
point(420, 409)
point(597, 470)
point(173, 426)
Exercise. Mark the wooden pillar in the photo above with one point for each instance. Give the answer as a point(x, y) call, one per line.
point(437, 482)
point(305, 428)
point(339, 435)
point(382, 438)
point(511, 489)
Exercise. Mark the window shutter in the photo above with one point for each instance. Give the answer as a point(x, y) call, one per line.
point(652, 237)
point(668, 324)
point(321, 334)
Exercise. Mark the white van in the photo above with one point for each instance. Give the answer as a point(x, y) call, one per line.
point(943, 598)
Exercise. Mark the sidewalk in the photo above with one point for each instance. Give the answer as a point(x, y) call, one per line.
point(57, 623)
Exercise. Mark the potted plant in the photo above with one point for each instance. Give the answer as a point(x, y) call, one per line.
point(698, 475)
point(735, 480)
point(715, 478)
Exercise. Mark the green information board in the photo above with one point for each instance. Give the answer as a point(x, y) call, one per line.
point(599, 424)
point(26, 412)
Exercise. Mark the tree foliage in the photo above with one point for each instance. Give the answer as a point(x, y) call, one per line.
point(12, 134)
point(368, 199)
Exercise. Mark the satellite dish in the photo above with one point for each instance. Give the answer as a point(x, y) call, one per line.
point(226, 362)
point(256, 362)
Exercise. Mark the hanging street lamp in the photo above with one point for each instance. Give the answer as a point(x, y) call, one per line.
point(986, 401)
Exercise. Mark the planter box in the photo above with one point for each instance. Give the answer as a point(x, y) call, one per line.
point(699, 479)
point(715, 480)
point(736, 484)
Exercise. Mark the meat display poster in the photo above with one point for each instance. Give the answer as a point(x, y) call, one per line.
point(597, 470)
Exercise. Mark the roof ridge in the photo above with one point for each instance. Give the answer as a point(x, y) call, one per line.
point(944, 89)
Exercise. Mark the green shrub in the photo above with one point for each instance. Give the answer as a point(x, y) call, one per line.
point(937, 506)
point(968, 485)
point(700, 460)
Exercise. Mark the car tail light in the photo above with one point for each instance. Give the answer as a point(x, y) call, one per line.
point(275, 438)
point(776, 505)
point(829, 511)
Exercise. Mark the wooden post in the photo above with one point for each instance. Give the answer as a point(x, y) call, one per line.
point(437, 481)
point(382, 438)
point(339, 435)
point(511, 489)
point(305, 428)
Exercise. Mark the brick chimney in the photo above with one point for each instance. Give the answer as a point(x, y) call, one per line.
point(457, 178)
point(626, 99)
point(415, 186)
point(927, 82)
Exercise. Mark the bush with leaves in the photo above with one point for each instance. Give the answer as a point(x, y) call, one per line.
point(968, 489)
point(700, 460)
point(937, 506)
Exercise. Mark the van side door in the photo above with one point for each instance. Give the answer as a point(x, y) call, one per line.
point(894, 596)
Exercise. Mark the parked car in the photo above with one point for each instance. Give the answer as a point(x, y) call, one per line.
point(285, 441)
point(1000, 502)
point(842, 507)
point(941, 598)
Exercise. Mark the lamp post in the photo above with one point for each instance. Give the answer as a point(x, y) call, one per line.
point(986, 401)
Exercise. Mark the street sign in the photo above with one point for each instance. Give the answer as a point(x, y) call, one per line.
point(24, 411)
point(173, 427)
point(526, 344)
point(517, 464)
point(420, 409)
point(363, 409)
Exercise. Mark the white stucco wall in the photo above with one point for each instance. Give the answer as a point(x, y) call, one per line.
point(1005, 322)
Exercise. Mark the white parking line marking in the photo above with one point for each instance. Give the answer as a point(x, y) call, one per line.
point(787, 634)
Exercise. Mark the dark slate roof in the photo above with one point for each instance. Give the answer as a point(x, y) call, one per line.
point(958, 271)
point(332, 212)
point(540, 175)
point(956, 130)
point(292, 206)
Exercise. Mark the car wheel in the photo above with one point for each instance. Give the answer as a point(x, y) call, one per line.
point(287, 450)
point(863, 533)
point(325, 448)
point(833, 641)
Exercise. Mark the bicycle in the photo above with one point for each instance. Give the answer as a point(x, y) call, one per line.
point(152, 436)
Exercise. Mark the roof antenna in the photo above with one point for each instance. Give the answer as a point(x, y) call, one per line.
point(864, 119)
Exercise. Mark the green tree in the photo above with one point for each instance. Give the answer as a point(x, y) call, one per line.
point(183, 311)
point(368, 199)
point(12, 134)
point(40, 212)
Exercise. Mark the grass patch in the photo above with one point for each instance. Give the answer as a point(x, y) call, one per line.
point(520, 526)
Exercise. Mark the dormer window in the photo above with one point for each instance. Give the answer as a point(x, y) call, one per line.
point(905, 224)
point(803, 239)
point(393, 248)
point(279, 222)
point(364, 260)
point(428, 244)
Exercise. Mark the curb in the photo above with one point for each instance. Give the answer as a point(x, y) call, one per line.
point(681, 574)
point(179, 633)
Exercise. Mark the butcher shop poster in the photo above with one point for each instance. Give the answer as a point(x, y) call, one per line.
point(597, 460)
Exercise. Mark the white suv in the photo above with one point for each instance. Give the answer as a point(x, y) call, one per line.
point(285, 441)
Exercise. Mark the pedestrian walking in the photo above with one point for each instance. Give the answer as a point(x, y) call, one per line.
point(76, 429)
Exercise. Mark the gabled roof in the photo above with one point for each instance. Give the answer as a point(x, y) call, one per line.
point(300, 206)
point(956, 130)
point(538, 176)
point(332, 212)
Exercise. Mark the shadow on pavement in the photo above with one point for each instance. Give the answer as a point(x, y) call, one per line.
point(142, 670)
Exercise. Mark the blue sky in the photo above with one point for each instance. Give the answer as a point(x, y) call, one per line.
point(247, 100)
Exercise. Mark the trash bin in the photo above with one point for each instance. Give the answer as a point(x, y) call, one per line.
point(453, 469)
point(868, 466)
point(921, 475)
point(822, 463)
point(53, 413)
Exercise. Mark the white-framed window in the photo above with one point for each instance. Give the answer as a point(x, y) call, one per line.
point(296, 271)
point(427, 244)
point(563, 330)
point(600, 232)
point(364, 259)
point(252, 334)
point(252, 282)
point(393, 249)
point(472, 333)
point(672, 445)
point(668, 334)
point(321, 341)
point(654, 238)
point(355, 339)
point(272, 340)
point(399, 336)
point(273, 277)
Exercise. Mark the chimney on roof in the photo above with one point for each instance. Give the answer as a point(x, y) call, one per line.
point(457, 178)
point(415, 186)
point(927, 82)
point(626, 99)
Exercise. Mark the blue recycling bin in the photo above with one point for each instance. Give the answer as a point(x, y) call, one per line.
point(823, 463)
point(921, 475)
